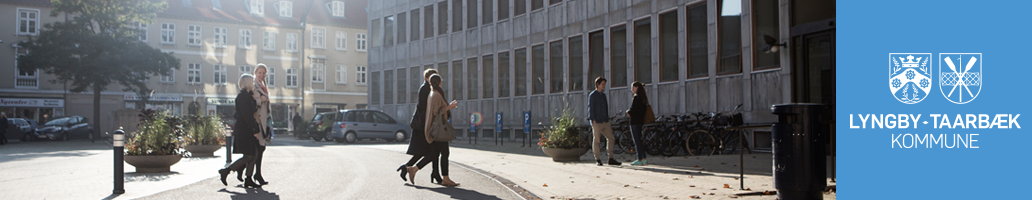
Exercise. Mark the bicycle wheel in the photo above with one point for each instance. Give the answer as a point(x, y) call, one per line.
point(674, 143)
point(731, 142)
point(701, 143)
point(653, 142)
point(625, 141)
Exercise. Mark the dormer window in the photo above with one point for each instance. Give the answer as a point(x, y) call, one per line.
point(286, 9)
point(256, 7)
point(336, 8)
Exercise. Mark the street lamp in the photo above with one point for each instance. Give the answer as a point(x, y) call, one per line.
point(772, 44)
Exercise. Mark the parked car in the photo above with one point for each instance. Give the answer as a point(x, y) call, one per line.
point(320, 125)
point(67, 128)
point(368, 124)
point(20, 128)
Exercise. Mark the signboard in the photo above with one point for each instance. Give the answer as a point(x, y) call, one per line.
point(133, 97)
point(526, 121)
point(221, 101)
point(498, 122)
point(19, 102)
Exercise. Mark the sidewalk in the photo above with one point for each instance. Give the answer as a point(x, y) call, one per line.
point(664, 178)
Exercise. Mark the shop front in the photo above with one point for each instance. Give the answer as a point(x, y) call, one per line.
point(38, 109)
point(224, 107)
point(172, 103)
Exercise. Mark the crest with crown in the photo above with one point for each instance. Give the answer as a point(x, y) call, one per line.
point(910, 76)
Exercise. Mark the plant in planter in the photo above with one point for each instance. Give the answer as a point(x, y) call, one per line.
point(561, 141)
point(157, 145)
point(204, 135)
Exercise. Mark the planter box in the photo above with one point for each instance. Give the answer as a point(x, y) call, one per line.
point(203, 150)
point(565, 155)
point(152, 164)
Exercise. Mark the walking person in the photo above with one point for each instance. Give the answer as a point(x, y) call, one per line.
point(418, 147)
point(598, 109)
point(261, 96)
point(298, 122)
point(3, 128)
point(246, 133)
point(436, 106)
point(639, 105)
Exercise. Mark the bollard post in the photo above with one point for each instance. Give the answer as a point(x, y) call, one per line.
point(229, 146)
point(118, 141)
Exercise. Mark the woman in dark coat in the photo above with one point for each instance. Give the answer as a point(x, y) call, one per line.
point(418, 148)
point(245, 133)
point(639, 105)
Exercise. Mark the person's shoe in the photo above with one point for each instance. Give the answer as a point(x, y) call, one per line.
point(260, 180)
point(412, 174)
point(599, 162)
point(436, 177)
point(223, 173)
point(403, 171)
point(240, 175)
point(638, 162)
point(614, 162)
point(448, 182)
point(250, 183)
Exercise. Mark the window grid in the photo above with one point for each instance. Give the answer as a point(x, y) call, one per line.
point(337, 8)
point(342, 74)
point(193, 35)
point(168, 33)
point(219, 74)
point(28, 22)
point(360, 73)
point(141, 30)
point(360, 42)
point(257, 7)
point(286, 9)
point(245, 39)
point(193, 73)
point(318, 70)
point(291, 77)
point(221, 34)
point(342, 41)
point(318, 37)
point(292, 42)
point(25, 78)
point(269, 41)
point(270, 76)
point(171, 78)
point(244, 69)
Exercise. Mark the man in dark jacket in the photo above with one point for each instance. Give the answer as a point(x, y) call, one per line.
point(598, 114)
point(3, 128)
point(298, 122)
point(418, 147)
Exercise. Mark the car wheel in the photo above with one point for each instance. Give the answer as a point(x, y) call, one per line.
point(316, 137)
point(328, 137)
point(350, 137)
point(399, 136)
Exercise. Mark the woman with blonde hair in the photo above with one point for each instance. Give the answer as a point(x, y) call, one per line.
point(436, 106)
point(246, 131)
point(261, 97)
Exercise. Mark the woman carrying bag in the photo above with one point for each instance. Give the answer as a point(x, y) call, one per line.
point(639, 114)
point(437, 129)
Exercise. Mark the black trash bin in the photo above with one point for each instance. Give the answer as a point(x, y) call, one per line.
point(798, 139)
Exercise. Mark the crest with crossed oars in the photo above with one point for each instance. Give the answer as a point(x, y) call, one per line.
point(960, 77)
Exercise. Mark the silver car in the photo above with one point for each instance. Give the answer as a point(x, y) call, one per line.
point(369, 124)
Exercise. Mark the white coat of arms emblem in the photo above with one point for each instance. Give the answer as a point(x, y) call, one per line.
point(960, 76)
point(910, 77)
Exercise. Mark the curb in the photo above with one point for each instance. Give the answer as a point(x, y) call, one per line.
point(512, 187)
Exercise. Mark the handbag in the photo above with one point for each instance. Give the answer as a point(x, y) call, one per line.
point(441, 130)
point(649, 115)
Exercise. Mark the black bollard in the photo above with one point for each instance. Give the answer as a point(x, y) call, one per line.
point(118, 141)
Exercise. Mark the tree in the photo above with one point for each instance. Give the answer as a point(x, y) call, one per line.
point(97, 47)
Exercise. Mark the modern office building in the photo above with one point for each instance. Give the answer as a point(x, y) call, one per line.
point(542, 56)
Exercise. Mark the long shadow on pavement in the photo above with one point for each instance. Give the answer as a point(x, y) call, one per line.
point(252, 193)
point(458, 193)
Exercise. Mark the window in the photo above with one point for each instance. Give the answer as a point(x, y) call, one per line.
point(141, 30)
point(318, 70)
point(193, 35)
point(342, 41)
point(442, 69)
point(401, 85)
point(193, 73)
point(28, 21)
point(765, 22)
point(171, 78)
point(388, 31)
point(668, 47)
point(428, 23)
point(576, 71)
point(336, 8)
point(536, 4)
point(414, 25)
point(503, 10)
point(244, 69)
point(220, 74)
point(457, 80)
point(286, 9)
point(360, 42)
point(291, 77)
point(415, 75)
point(643, 50)
point(596, 57)
point(292, 42)
point(269, 41)
point(698, 47)
point(618, 61)
point(257, 6)
point(168, 33)
point(521, 7)
point(473, 76)
point(360, 73)
point(504, 75)
point(471, 14)
point(538, 69)
point(730, 35)
point(488, 9)
point(553, 2)
point(487, 72)
point(25, 78)
point(374, 89)
point(245, 39)
point(555, 66)
point(342, 74)
point(318, 38)
point(521, 72)
point(456, 15)
point(375, 32)
point(442, 18)
point(270, 76)
point(388, 87)
point(402, 28)
point(220, 36)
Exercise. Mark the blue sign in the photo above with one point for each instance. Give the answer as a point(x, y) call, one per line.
point(472, 122)
point(498, 122)
point(526, 121)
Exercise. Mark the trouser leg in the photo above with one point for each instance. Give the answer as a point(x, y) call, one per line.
point(607, 130)
point(639, 145)
point(258, 160)
point(445, 152)
point(412, 161)
point(429, 157)
point(596, 134)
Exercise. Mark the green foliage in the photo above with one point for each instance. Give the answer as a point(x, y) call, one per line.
point(204, 130)
point(159, 134)
point(562, 133)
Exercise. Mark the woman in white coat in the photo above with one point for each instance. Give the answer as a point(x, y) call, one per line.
point(261, 96)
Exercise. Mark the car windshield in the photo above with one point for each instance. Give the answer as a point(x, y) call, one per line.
point(57, 122)
point(318, 117)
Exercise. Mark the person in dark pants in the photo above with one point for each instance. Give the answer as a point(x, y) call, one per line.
point(639, 105)
point(418, 148)
point(297, 122)
point(246, 133)
point(264, 116)
point(3, 128)
point(598, 114)
point(436, 106)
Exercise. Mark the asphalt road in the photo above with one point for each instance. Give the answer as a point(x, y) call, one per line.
point(304, 169)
